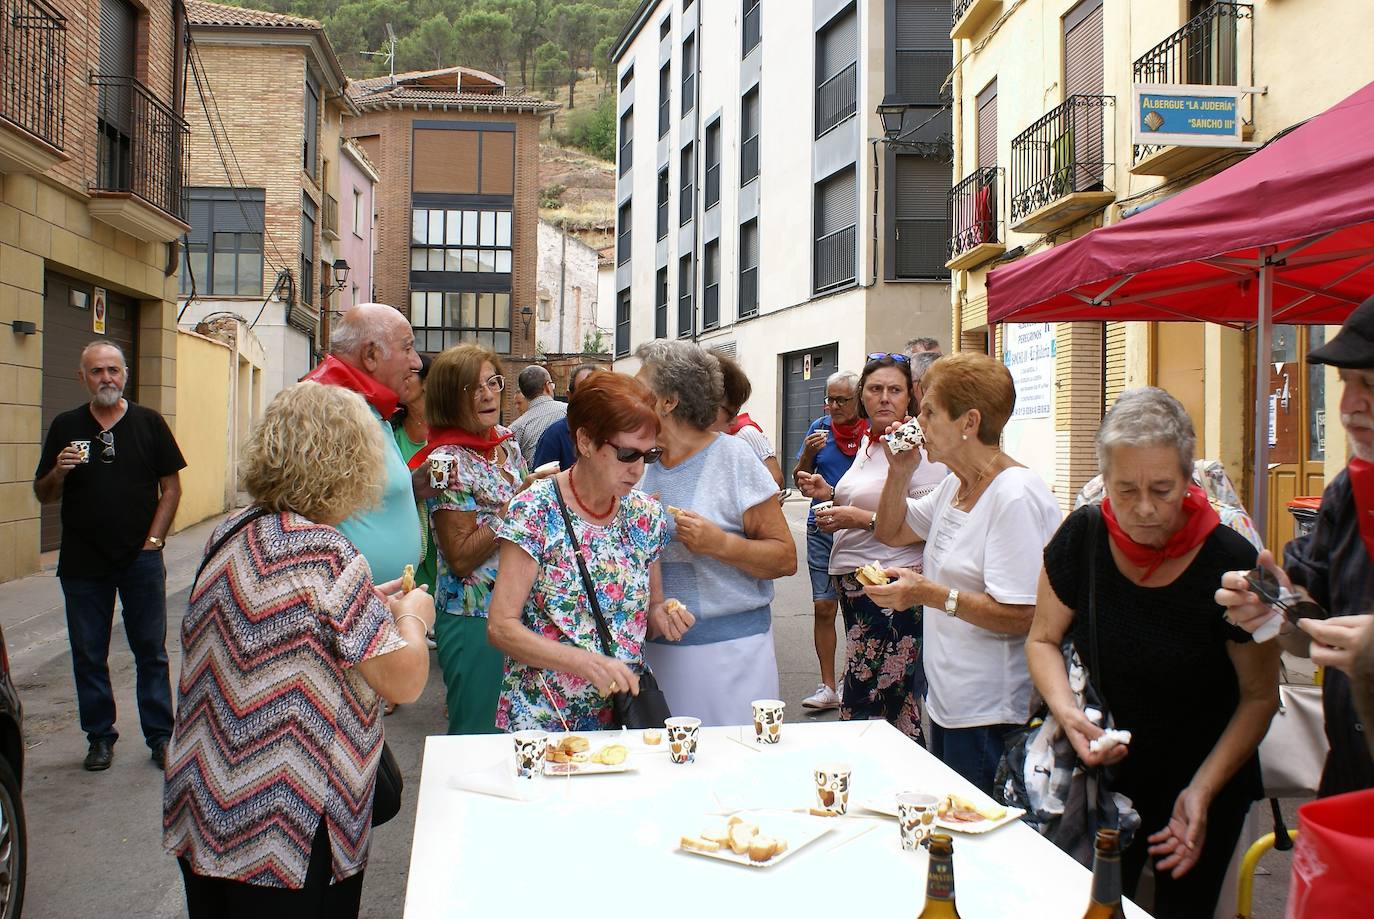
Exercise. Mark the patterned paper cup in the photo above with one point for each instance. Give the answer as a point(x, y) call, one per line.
point(767, 720)
point(84, 448)
point(832, 788)
point(440, 470)
point(916, 818)
point(530, 749)
point(682, 739)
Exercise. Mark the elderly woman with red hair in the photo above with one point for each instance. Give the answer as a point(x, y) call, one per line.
point(558, 675)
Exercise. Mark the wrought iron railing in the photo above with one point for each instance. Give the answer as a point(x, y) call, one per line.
point(749, 159)
point(330, 217)
point(752, 33)
point(686, 203)
point(626, 153)
point(664, 116)
point(710, 306)
point(712, 185)
point(684, 311)
point(622, 246)
point(141, 147)
point(1061, 154)
point(973, 211)
point(33, 60)
point(837, 99)
point(689, 88)
point(960, 7)
point(662, 218)
point(835, 258)
point(1205, 51)
point(749, 291)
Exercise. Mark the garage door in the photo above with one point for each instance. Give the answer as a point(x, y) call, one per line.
point(68, 327)
point(803, 397)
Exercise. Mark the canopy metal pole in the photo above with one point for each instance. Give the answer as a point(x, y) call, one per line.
point(1264, 333)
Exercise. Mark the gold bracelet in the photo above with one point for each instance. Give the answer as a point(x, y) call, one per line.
point(424, 628)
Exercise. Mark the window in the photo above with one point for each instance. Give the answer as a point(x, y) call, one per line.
point(686, 173)
point(360, 219)
point(751, 25)
point(627, 139)
point(987, 126)
point(626, 79)
point(749, 137)
point(665, 92)
point(622, 323)
point(463, 241)
point(710, 305)
point(921, 215)
point(443, 319)
point(686, 283)
point(689, 68)
point(662, 203)
point(921, 50)
point(836, 219)
point(464, 161)
point(622, 243)
point(749, 269)
point(312, 125)
point(837, 55)
point(308, 213)
point(665, 27)
point(713, 164)
point(224, 248)
point(661, 303)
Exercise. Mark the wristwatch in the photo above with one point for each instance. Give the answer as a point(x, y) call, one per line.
point(952, 603)
point(157, 542)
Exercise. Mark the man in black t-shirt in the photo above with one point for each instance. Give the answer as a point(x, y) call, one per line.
point(114, 465)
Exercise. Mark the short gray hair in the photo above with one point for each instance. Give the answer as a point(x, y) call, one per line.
point(920, 363)
point(532, 381)
point(687, 372)
point(1147, 417)
point(363, 325)
point(847, 377)
point(103, 343)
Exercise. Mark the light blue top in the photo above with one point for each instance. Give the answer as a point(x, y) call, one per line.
point(388, 535)
point(720, 483)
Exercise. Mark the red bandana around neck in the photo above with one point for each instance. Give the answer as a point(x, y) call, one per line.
point(742, 421)
point(1362, 485)
point(1200, 520)
point(484, 444)
point(848, 435)
point(334, 372)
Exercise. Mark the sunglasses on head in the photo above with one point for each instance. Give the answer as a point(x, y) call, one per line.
point(1266, 585)
point(630, 454)
point(879, 355)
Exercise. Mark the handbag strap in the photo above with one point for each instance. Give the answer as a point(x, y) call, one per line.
point(257, 511)
point(607, 645)
point(1094, 775)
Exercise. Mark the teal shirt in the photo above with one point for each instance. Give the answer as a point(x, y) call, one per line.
point(388, 535)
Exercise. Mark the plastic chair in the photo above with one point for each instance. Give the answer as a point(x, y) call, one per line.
point(1281, 839)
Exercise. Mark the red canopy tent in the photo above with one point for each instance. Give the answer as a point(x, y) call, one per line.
point(1285, 235)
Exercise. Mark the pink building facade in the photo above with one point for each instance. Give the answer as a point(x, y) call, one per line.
point(357, 206)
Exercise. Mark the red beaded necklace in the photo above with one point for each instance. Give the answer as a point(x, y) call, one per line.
point(572, 483)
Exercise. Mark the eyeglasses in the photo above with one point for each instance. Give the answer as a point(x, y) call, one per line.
point(1264, 583)
point(838, 400)
point(107, 454)
point(629, 455)
point(496, 383)
point(900, 358)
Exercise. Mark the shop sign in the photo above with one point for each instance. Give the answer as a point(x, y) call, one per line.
point(1028, 351)
point(1192, 116)
point(98, 312)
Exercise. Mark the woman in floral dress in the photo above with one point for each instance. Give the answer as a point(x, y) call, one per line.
point(557, 674)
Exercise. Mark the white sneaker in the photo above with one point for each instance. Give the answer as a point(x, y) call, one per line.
point(824, 697)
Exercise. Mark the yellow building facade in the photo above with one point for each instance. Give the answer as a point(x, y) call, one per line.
point(1043, 154)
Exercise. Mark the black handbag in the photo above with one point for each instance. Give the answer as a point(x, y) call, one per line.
point(386, 802)
point(647, 709)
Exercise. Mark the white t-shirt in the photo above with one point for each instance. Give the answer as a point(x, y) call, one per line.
point(758, 441)
point(978, 677)
point(862, 486)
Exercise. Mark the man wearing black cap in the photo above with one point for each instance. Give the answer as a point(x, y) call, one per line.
point(1334, 563)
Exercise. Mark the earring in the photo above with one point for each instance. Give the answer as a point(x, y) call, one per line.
point(964, 436)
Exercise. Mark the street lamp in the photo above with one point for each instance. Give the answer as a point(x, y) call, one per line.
point(891, 111)
point(340, 272)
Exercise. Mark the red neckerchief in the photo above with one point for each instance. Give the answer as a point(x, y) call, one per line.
point(1362, 485)
point(334, 372)
point(742, 421)
point(1201, 520)
point(847, 436)
point(484, 444)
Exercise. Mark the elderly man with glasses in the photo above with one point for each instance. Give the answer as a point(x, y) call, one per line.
point(115, 467)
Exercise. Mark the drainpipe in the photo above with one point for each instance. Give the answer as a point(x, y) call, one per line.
point(959, 278)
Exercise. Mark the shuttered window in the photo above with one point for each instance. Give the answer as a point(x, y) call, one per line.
point(837, 52)
point(1083, 49)
point(836, 203)
point(310, 149)
point(622, 243)
point(663, 202)
point(308, 213)
point(622, 324)
point(462, 162)
point(749, 268)
point(627, 137)
point(921, 50)
point(987, 126)
point(687, 174)
point(836, 216)
point(689, 69)
point(661, 303)
point(114, 112)
point(710, 305)
point(686, 285)
point(922, 201)
point(224, 248)
point(749, 137)
point(665, 94)
point(713, 164)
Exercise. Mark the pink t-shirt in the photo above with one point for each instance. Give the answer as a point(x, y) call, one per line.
point(862, 486)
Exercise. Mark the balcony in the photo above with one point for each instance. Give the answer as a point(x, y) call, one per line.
point(329, 226)
point(837, 99)
point(969, 16)
point(975, 220)
point(33, 59)
point(140, 160)
point(835, 259)
point(1208, 51)
point(1059, 166)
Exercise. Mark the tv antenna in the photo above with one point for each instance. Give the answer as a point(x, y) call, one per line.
point(389, 53)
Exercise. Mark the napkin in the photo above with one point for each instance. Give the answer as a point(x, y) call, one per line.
point(499, 781)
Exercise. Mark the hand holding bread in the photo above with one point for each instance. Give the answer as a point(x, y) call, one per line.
point(670, 620)
point(904, 590)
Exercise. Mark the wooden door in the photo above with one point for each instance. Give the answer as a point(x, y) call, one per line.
point(1297, 435)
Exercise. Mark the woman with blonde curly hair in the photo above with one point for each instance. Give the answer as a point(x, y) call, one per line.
point(287, 649)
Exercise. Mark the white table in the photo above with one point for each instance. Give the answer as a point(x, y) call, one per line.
point(606, 846)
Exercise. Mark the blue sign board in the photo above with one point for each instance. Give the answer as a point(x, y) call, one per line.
point(1188, 115)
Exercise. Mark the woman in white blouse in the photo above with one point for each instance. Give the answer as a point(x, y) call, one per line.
point(985, 529)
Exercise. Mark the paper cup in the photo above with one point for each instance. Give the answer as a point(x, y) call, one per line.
point(832, 788)
point(916, 818)
point(682, 739)
point(84, 448)
point(530, 749)
point(440, 470)
point(767, 720)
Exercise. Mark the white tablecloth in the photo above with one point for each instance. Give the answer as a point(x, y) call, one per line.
point(607, 846)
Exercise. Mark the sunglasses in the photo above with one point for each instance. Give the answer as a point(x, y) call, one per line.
point(629, 455)
point(1266, 585)
point(107, 453)
point(900, 358)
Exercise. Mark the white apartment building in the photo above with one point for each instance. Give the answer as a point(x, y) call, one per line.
point(760, 210)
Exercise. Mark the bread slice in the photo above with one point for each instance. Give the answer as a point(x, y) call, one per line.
point(741, 836)
point(762, 848)
point(697, 844)
point(871, 574)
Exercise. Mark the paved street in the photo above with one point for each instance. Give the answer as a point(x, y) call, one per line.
point(95, 838)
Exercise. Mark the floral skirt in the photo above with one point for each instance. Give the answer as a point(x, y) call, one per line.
point(884, 676)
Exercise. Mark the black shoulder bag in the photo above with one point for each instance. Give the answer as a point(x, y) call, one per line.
point(648, 709)
point(386, 802)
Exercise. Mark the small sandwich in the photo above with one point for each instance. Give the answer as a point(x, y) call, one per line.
point(408, 579)
point(906, 436)
point(872, 575)
point(697, 844)
point(672, 510)
point(674, 605)
point(962, 810)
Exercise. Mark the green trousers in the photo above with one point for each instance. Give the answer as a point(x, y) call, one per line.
point(472, 673)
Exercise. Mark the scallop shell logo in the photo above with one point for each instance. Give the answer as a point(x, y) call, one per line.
point(1154, 121)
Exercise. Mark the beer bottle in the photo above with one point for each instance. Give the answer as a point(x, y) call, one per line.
point(940, 880)
point(1105, 902)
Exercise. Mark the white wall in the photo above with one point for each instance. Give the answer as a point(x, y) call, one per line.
point(285, 349)
point(567, 273)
